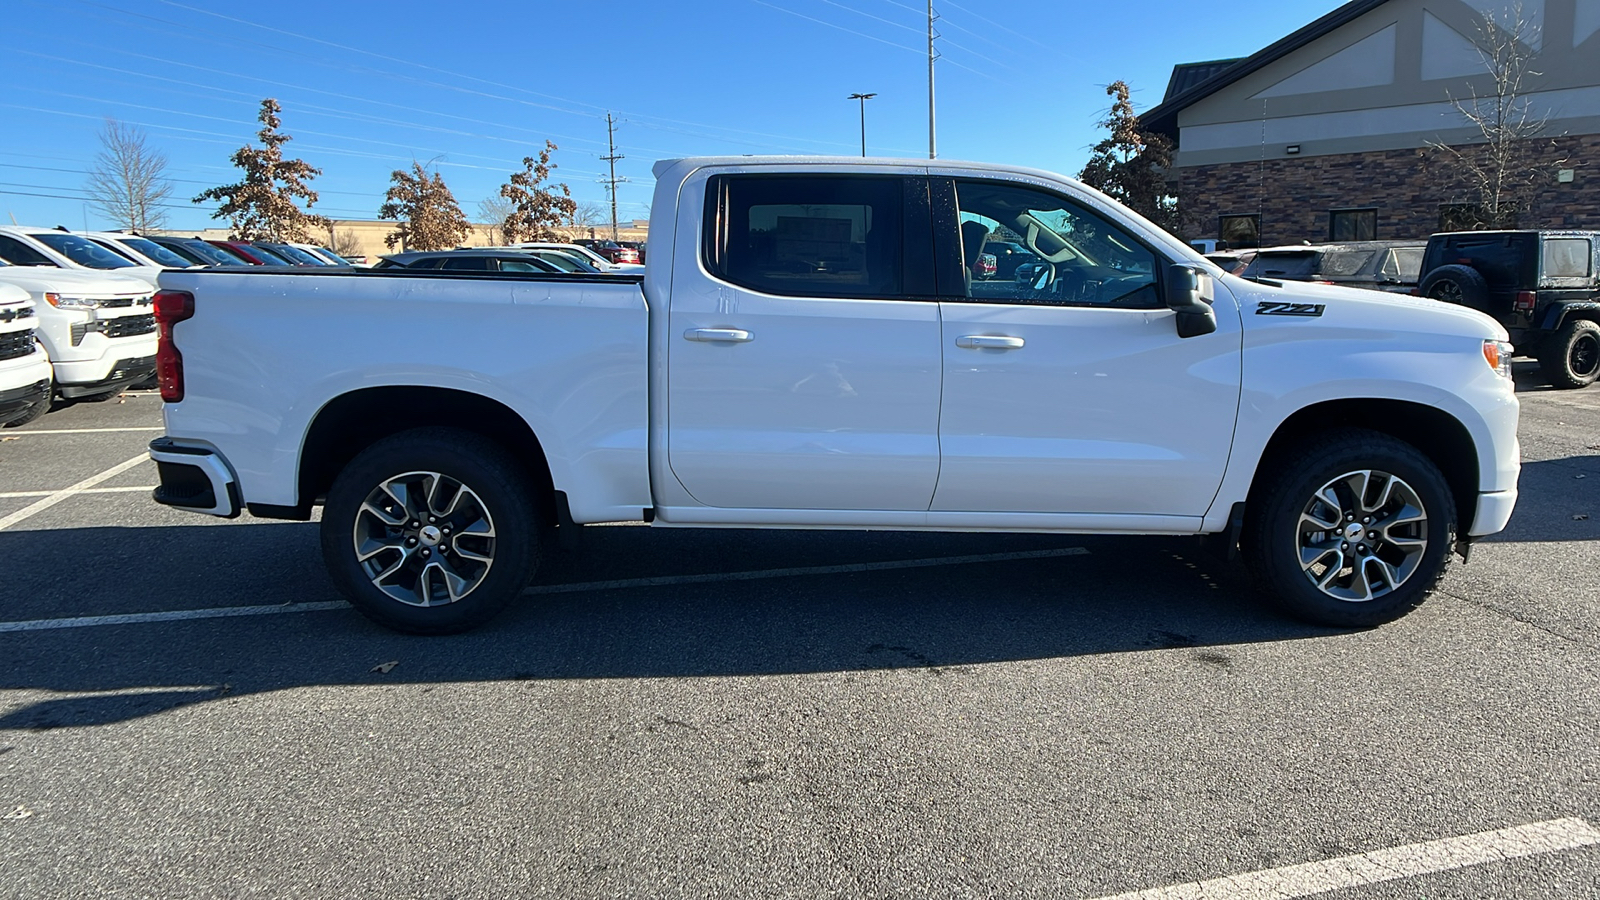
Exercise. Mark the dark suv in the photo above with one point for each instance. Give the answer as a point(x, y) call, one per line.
point(1543, 286)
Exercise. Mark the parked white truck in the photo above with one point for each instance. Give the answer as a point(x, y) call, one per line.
point(808, 349)
point(24, 370)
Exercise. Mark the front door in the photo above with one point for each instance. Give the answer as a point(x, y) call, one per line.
point(1067, 388)
point(803, 358)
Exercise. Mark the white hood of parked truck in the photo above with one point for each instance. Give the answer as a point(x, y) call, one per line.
point(37, 280)
point(1331, 306)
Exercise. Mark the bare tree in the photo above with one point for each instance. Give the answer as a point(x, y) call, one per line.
point(345, 243)
point(493, 212)
point(1505, 171)
point(262, 205)
point(128, 182)
point(429, 216)
point(588, 215)
point(536, 212)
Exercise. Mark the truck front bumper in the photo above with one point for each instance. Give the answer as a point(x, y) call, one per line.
point(1493, 512)
point(194, 478)
point(17, 402)
point(123, 373)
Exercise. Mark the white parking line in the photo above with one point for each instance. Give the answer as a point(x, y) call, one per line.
point(16, 495)
point(84, 430)
point(1390, 864)
point(230, 611)
point(58, 496)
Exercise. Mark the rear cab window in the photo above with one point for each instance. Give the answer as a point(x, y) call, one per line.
point(1566, 261)
point(807, 235)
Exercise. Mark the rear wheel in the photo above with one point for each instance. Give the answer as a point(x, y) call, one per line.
point(1571, 357)
point(1351, 529)
point(431, 531)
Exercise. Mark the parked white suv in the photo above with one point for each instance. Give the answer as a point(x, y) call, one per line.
point(24, 370)
point(97, 328)
point(52, 247)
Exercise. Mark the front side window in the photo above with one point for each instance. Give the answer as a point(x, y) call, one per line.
point(466, 263)
point(1240, 232)
point(1353, 224)
point(19, 254)
point(83, 251)
point(807, 235)
point(1078, 258)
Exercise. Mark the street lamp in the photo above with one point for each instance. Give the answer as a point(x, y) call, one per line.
point(863, 98)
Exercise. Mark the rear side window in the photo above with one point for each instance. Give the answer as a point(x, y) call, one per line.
point(1567, 257)
point(1404, 264)
point(1345, 262)
point(807, 235)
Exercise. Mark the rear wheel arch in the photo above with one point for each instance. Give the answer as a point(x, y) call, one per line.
point(1438, 435)
point(352, 422)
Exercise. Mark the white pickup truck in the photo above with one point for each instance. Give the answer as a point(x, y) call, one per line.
point(808, 348)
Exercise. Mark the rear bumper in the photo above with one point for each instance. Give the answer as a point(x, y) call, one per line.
point(194, 478)
point(1493, 512)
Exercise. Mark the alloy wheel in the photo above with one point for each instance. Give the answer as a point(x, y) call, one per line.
point(1362, 535)
point(424, 539)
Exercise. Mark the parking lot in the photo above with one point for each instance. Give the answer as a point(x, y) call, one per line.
point(188, 709)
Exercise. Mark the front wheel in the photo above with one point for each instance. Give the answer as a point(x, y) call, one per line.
point(1571, 357)
point(431, 531)
point(1350, 529)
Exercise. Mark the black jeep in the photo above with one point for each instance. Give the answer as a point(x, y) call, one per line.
point(1543, 286)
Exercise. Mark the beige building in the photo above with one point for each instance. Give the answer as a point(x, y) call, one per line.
point(1329, 133)
point(368, 235)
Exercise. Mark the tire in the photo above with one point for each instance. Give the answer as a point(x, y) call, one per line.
point(1462, 285)
point(99, 398)
point(1571, 357)
point(419, 577)
point(1390, 568)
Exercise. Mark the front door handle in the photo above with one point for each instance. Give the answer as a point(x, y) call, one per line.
point(717, 335)
point(989, 342)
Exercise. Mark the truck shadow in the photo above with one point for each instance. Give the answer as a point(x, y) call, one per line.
point(1557, 500)
point(1124, 595)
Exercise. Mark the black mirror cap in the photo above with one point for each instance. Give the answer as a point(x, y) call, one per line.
point(1195, 316)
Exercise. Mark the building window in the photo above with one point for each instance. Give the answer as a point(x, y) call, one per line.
point(1240, 231)
point(1461, 217)
point(1353, 224)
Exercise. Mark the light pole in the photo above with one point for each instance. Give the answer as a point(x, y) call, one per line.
point(863, 98)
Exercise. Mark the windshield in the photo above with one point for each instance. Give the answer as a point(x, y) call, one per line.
point(266, 256)
point(81, 250)
point(1295, 265)
point(295, 254)
point(221, 256)
point(564, 262)
point(156, 253)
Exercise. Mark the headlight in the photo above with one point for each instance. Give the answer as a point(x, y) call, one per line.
point(60, 301)
point(1498, 355)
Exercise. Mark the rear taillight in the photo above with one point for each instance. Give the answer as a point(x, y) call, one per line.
point(1525, 301)
point(172, 307)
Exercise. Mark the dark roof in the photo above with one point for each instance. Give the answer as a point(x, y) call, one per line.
point(1187, 75)
point(1163, 117)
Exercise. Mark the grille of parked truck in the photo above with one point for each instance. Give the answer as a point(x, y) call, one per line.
point(809, 347)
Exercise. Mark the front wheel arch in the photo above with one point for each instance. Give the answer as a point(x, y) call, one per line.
point(1439, 436)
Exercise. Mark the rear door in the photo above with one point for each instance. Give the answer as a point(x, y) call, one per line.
point(1073, 393)
point(803, 347)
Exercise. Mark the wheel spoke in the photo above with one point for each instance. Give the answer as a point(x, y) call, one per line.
point(1348, 522)
point(406, 519)
point(1311, 554)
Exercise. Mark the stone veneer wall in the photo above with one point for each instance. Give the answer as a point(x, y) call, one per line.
point(1294, 194)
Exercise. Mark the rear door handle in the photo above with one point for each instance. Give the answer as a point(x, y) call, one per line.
point(989, 342)
point(717, 335)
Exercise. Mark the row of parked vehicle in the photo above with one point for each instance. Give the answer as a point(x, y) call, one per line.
point(76, 322)
point(1543, 286)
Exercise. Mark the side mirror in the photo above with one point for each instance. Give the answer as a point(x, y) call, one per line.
point(1184, 296)
point(1041, 277)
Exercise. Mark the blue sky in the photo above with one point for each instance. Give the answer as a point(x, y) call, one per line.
point(368, 87)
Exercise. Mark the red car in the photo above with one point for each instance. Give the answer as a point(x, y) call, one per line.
point(616, 253)
point(252, 254)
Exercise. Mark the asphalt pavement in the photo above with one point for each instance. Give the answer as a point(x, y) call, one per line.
point(188, 710)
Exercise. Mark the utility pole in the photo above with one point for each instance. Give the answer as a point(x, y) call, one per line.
point(863, 98)
point(931, 58)
point(613, 181)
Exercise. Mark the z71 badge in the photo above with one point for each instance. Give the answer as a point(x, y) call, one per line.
point(1311, 310)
